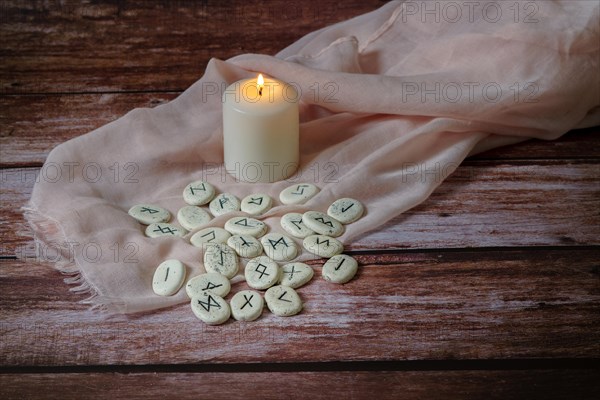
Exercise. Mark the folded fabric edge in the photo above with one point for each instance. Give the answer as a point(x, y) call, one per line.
point(48, 233)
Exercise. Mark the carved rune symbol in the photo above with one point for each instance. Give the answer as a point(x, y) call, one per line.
point(347, 208)
point(275, 243)
point(262, 272)
point(221, 251)
point(148, 210)
point(167, 275)
point(203, 188)
point(296, 223)
point(322, 220)
point(247, 301)
point(244, 243)
point(207, 304)
point(340, 264)
point(282, 299)
point(256, 200)
point(164, 229)
point(325, 242)
point(299, 189)
point(243, 222)
point(291, 272)
point(211, 285)
point(222, 201)
point(211, 234)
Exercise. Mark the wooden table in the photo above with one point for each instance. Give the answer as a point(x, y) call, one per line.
point(489, 289)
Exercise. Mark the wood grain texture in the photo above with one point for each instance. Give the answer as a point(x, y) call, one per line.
point(483, 204)
point(576, 144)
point(501, 204)
point(70, 67)
point(32, 125)
point(536, 384)
point(408, 306)
point(60, 47)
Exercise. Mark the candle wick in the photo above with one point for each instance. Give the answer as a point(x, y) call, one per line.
point(260, 91)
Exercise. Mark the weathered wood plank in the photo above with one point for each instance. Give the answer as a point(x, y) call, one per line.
point(501, 204)
point(417, 306)
point(139, 45)
point(576, 144)
point(483, 204)
point(31, 126)
point(534, 384)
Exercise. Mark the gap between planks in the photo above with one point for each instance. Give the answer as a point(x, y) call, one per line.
point(539, 364)
point(533, 384)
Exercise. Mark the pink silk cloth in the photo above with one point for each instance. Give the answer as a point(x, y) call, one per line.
point(385, 98)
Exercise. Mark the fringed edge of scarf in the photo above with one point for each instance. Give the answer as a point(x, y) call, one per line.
point(48, 238)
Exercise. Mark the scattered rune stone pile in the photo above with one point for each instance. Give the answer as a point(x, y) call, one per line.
point(247, 237)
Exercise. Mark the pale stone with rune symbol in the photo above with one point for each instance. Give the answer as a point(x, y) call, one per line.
point(246, 226)
point(246, 305)
point(245, 246)
point(295, 274)
point(261, 273)
point(292, 224)
point(210, 282)
point(149, 214)
point(164, 229)
point(279, 247)
point(283, 301)
point(346, 210)
point(168, 277)
point(210, 308)
point(322, 223)
point(223, 204)
point(299, 193)
point(323, 246)
point(210, 236)
point(339, 269)
point(256, 204)
point(222, 259)
point(198, 193)
point(192, 217)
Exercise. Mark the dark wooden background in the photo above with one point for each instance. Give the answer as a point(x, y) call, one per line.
point(491, 288)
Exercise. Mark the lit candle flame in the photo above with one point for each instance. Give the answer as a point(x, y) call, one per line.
point(260, 83)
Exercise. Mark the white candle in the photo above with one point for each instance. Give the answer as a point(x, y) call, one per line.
point(260, 130)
